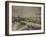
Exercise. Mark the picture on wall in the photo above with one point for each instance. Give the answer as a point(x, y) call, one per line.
point(24, 18)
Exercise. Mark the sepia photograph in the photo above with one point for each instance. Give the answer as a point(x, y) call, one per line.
point(24, 18)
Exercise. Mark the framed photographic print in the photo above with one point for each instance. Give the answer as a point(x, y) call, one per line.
point(24, 18)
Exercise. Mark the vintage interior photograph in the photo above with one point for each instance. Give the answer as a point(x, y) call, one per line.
point(26, 18)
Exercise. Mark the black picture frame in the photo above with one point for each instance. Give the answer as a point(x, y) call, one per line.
point(7, 17)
